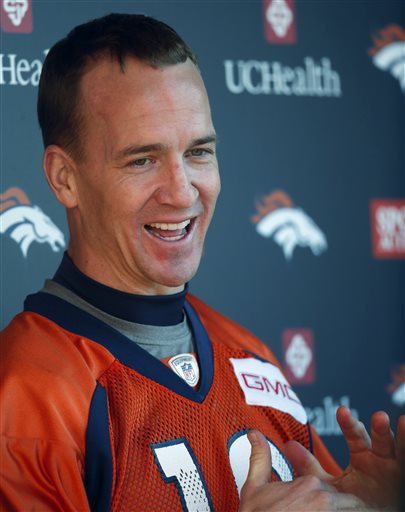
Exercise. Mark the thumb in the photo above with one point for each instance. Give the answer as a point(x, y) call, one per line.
point(303, 462)
point(260, 460)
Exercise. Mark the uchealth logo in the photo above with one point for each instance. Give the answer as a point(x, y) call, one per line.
point(388, 52)
point(279, 21)
point(287, 225)
point(16, 16)
point(310, 79)
point(25, 222)
point(388, 227)
point(299, 356)
point(397, 386)
point(323, 417)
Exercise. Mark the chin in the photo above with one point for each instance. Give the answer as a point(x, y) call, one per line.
point(177, 279)
point(174, 283)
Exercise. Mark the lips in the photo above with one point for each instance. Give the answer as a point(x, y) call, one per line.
point(170, 231)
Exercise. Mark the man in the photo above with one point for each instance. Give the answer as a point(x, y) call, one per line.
point(122, 391)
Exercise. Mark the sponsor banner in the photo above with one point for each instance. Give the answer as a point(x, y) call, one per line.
point(323, 417)
point(287, 225)
point(388, 52)
point(299, 356)
point(26, 223)
point(263, 384)
point(311, 78)
point(388, 228)
point(279, 21)
point(16, 16)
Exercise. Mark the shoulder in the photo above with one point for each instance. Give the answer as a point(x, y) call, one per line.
point(32, 341)
point(49, 376)
point(228, 331)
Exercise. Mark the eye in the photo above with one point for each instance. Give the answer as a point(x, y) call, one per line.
point(200, 152)
point(140, 162)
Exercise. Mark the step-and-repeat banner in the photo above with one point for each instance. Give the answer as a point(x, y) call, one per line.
point(307, 246)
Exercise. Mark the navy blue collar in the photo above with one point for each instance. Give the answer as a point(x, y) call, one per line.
point(77, 321)
point(141, 309)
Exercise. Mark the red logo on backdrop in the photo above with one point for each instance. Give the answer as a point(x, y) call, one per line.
point(16, 16)
point(299, 356)
point(279, 21)
point(388, 228)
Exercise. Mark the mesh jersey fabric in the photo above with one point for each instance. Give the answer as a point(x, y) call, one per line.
point(207, 427)
point(50, 376)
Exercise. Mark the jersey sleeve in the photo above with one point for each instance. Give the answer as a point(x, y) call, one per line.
point(41, 475)
point(48, 377)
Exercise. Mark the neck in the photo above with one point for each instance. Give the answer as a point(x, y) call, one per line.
point(142, 309)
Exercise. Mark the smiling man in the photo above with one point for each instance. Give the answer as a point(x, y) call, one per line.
point(121, 390)
point(141, 196)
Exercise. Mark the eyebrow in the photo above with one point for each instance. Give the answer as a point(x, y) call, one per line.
point(209, 139)
point(137, 150)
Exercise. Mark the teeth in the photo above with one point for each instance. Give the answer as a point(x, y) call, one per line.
point(170, 227)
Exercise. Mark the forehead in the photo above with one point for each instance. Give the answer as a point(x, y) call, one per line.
point(141, 105)
point(106, 87)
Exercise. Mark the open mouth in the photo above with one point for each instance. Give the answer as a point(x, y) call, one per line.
point(170, 232)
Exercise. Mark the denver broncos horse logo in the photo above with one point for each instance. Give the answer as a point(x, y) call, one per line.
point(288, 226)
point(26, 223)
point(388, 52)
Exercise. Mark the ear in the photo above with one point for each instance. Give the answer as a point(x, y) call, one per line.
point(59, 170)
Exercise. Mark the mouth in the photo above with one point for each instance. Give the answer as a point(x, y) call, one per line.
point(170, 231)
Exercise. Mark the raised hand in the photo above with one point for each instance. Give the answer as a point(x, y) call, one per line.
point(377, 465)
point(305, 494)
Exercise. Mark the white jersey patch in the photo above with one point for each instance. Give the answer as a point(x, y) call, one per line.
point(186, 367)
point(264, 384)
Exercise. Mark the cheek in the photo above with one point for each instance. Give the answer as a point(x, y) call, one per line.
point(119, 202)
point(214, 191)
point(91, 196)
point(211, 187)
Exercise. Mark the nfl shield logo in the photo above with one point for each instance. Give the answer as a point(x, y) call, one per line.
point(186, 367)
point(188, 372)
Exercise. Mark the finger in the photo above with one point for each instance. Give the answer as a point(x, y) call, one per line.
point(260, 460)
point(400, 446)
point(382, 437)
point(354, 431)
point(303, 462)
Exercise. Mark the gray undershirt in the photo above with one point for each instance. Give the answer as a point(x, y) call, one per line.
point(159, 341)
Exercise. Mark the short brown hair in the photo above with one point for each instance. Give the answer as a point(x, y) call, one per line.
point(117, 35)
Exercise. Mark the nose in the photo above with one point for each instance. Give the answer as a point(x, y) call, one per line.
point(176, 187)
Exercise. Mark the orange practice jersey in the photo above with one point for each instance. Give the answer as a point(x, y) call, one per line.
point(90, 421)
